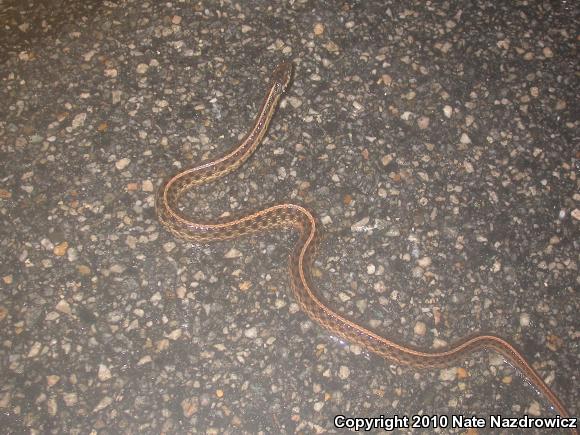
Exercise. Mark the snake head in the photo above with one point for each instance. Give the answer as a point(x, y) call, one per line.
point(281, 76)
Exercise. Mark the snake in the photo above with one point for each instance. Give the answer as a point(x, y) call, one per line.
point(299, 218)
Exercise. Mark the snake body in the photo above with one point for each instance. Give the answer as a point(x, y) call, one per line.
point(299, 218)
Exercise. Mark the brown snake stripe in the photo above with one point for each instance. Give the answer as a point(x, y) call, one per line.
point(299, 218)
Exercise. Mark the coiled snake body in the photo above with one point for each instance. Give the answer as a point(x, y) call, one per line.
point(299, 218)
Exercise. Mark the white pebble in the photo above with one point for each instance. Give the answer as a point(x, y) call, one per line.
point(63, 306)
point(465, 139)
point(106, 401)
point(524, 320)
point(534, 409)
point(360, 225)
point(326, 220)
point(104, 373)
point(233, 253)
point(147, 186)
point(448, 374)
point(343, 372)
point(175, 334)
point(251, 332)
point(79, 120)
point(417, 272)
point(424, 262)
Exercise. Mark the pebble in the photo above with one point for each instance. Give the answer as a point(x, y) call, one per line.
point(145, 360)
point(104, 373)
point(79, 120)
point(343, 297)
point(117, 268)
point(318, 29)
point(424, 262)
point(233, 253)
point(52, 380)
point(131, 241)
point(343, 372)
point(142, 68)
point(60, 249)
point(111, 72)
point(355, 349)
point(385, 160)
point(251, 332)
point(122, 163)
point(72, 255)
point(155, 297)
point(423, 122)
point(70, 399)
point(534, 409)
point(189, 406)
point(169, 246)
point(524, 319)
point(104, 403)
point(326, 220)
point(417, 272)
point(181, 292)
point(175, 334)
point(362, 305)
point(245, 285)
point(47, 244)
point(420, 328)
point(147, 186)
point(295, 102)
point(34, 349)
point(331, 47)
point(449, 374)
point(63, 306)
point(360, 225)
point(561, 105)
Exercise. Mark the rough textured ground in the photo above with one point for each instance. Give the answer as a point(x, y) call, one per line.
point(437, 142)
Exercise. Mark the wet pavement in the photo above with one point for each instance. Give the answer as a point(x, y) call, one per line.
point(437, 143)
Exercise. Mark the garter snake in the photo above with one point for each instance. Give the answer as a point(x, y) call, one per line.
point(299, 218)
